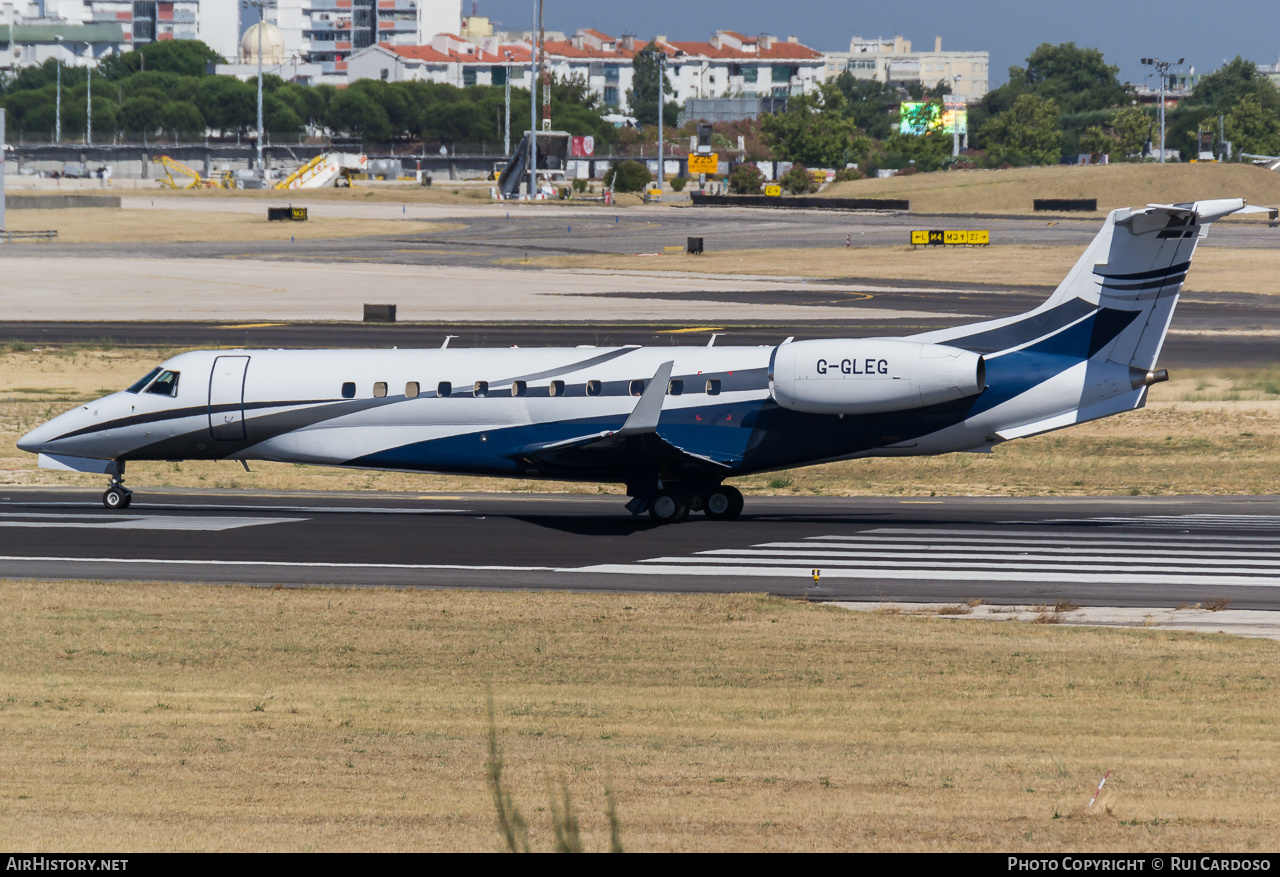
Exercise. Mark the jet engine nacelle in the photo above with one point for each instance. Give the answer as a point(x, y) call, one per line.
point(854, 376)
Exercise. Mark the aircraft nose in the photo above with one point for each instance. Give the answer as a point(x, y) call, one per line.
point(33, 441)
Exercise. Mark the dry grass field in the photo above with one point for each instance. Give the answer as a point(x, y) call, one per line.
point(1116, 185)
point(1203, 433)
point(1216, 269)
point(154, 717)
point(103, 225)
point(363, 192)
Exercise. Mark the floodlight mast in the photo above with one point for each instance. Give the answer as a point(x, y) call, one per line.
point(261, 6)
point(506, 124)
point(1163, 68)
point(533, 103)
point(57, 110)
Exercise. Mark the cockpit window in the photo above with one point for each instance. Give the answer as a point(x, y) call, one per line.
point(137, 388)
point(165, 385)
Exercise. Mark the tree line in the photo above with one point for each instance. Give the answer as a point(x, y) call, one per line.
point(164, 90)
point(1065, 101)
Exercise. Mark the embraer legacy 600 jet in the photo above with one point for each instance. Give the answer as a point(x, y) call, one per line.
point(670, 423)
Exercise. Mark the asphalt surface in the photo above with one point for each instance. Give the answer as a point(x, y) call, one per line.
point(1150, 551)
point(485, 240)
point(1222, 330)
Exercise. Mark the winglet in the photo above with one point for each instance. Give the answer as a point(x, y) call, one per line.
point(647, 411)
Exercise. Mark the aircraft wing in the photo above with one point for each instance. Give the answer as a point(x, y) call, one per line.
point(637, 438)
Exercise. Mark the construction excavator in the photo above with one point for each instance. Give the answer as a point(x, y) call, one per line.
point(189, 178)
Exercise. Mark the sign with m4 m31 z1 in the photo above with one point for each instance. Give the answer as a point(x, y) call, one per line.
point(977, 238)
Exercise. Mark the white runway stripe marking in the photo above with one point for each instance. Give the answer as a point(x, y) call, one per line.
point(801, 563)
point(936, 550)
point(957, 575)
point(1089, 536)
point(994, 554)
point(1204, 521)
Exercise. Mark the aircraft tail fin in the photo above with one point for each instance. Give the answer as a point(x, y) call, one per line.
point(1116, 302)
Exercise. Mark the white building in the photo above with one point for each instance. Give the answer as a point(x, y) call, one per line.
point(265, 38)
point(327, 32)
point(967, 73)
point(448, 59)
point(90, 29)
point(727, 65)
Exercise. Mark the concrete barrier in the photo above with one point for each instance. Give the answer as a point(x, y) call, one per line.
point(800, 202)
point(55, 202)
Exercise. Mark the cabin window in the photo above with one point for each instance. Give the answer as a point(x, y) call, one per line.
point(518, 388)
point(444, 389)
point(713, 388)
point(411, 390)
point(380, 390)
point(480, 389)
point(676, 387)
point(137, 388)
point(556, 388)
point(165, 385)
point(349, 390)
point(636, 388)
point(594, 388)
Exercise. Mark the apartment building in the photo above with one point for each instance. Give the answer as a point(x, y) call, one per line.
point(82, 31)
point(966, 73)
point(728, 65)
point(328, 32)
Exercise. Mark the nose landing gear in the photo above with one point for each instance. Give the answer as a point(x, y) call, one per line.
point(117, 496)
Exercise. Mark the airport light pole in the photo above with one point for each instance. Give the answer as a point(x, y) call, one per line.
point(57, 103)
point(533, 103)
point(88, 105)
point(1162, 67)
point(261, 6)
point(506, 122)
point(955, 117)
point(662, 68)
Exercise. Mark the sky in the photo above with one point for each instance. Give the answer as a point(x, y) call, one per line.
point(1204, 33)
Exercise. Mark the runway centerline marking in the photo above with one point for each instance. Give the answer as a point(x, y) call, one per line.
point(203, 523)
point(275, 563)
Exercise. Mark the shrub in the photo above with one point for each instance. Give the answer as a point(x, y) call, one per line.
point(907, 171)
point(798, 181)
point(579, 185)
point(677, 185)
point(849, 173)
point(627, 176)
point(746, 179)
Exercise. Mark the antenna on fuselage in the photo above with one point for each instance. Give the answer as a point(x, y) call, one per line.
point(447, 339)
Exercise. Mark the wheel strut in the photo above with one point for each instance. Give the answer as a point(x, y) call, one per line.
point(117, 496)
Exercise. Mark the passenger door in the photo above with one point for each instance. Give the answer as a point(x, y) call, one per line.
point(226, 398)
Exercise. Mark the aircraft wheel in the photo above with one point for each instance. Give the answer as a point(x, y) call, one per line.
point(116, 498)
point(668, 508)
point(724, 504)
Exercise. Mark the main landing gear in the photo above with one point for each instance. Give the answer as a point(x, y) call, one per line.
point(672, 505)
point(117, 496)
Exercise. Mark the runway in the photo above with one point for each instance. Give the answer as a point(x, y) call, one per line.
point(1110, 551)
